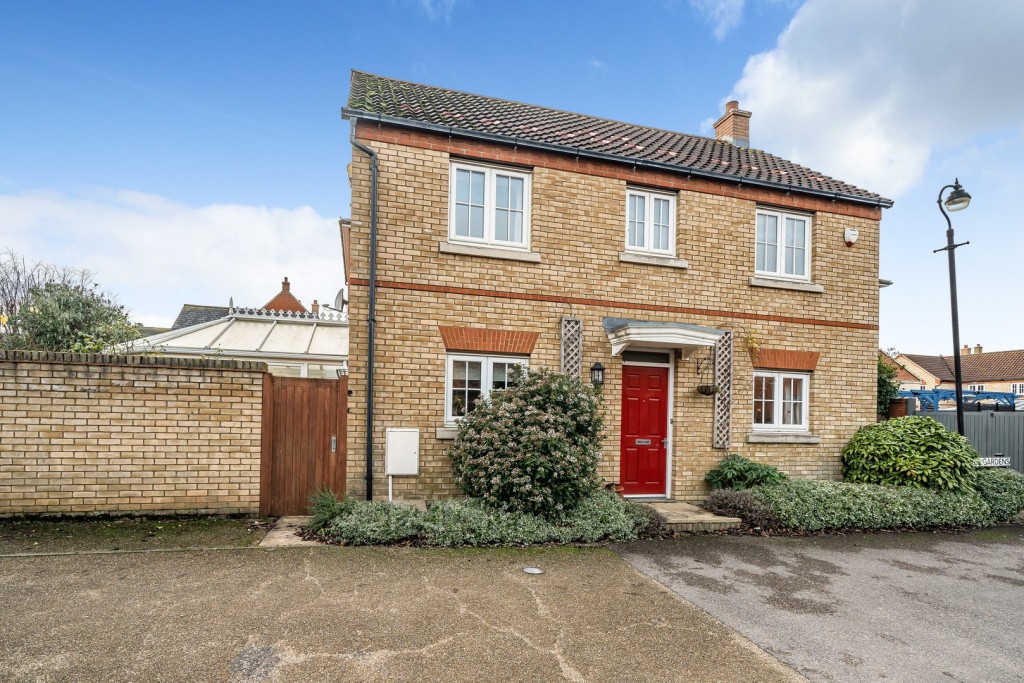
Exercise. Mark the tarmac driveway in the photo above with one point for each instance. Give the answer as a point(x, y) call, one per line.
point(350, 614)
point(903, 607)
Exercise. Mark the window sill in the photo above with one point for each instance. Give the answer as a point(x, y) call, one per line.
point(758, 281)
point(653, 260)
point(488, 252)
point(446, 433)
point(782, 437)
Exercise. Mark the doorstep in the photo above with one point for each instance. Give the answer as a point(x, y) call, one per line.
point(284, 535)
point(679, 516)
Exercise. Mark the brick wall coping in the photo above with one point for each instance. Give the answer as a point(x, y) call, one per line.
point(130, 360)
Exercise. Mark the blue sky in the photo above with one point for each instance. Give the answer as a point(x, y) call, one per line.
point(191, 152)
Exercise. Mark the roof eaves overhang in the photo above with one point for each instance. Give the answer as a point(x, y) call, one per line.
point(355, 115)
point(624, 334)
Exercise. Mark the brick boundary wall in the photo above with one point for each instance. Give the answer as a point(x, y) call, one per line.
point(106, 434)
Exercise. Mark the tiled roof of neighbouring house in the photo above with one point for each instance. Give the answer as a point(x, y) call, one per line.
point(460, 113)
point(993, 366)
point(191, 314)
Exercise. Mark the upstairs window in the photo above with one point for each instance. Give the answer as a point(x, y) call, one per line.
point(783, 245)
point(1017, 387)
point(489, 206)
point(650, 222)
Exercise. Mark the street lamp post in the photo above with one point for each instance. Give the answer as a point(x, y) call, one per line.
point(958, 199)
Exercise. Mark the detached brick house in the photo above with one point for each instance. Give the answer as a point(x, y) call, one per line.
point(981, 370)
point(508, 233)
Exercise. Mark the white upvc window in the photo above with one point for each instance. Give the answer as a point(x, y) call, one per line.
point(489, 206)
point(469, 378)
point(650, 222)
point(975, 387)
point(781, 401)
point(783, 245)
point(1017, 387)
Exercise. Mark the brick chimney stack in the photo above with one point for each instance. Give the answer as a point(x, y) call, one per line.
point(285, 286)
point(734, 126)
point(966, 350)
point(977, 348)
point(315, 307)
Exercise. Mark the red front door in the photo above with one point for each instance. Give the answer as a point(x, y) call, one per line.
point(644, 430)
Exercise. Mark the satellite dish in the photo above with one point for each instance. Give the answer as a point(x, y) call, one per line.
point(340, 301)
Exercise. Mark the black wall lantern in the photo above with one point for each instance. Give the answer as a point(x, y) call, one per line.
point(597, 374)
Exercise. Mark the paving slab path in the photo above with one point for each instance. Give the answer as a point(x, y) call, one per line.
point(861, 607)
point(358, 614)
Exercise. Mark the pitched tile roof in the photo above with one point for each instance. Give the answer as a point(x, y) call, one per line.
point(190, 314)
point(459, 113)
point(993, 366)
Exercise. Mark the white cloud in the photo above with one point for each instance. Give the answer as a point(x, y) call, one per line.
point(867, 91)
point(595, 64)
point(156, 254)
point(437, 9)
point(723, 15)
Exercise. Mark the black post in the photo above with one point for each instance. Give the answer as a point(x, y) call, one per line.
point(957, 375)
point(950, 248)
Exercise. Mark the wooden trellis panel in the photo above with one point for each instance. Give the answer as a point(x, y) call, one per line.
point(572, 347)
point(723, 398)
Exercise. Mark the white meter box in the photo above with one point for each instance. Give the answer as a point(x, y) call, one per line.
point(403, 452)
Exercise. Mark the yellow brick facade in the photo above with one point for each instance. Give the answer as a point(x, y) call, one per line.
point(115, 434)
point(577, 229)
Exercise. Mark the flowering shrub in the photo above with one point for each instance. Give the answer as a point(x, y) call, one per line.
point(532, 447)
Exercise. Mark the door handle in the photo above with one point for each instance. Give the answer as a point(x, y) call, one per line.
point(664, 443)
point(334, 443)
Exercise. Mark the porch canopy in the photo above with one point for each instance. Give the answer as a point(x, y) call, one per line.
point(624, 333)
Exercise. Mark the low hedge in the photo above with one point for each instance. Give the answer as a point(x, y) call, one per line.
point(471, 522)
point(1003, 490)
point(818, 505)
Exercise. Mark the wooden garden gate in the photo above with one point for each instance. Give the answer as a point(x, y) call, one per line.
point(303, 447)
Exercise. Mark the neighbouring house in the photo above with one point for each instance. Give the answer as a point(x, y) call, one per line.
point(908, 380)
point(730, 296)
point(980, 370)
point(291, 340)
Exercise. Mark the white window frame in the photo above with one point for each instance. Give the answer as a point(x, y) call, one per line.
point(975, 387)
point(1017, 388)
point(649, 197)
point(777, 426)
point(490, 204)
point(486, 377)
point(780, 256)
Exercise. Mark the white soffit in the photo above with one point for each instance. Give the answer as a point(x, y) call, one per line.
point(623, 334)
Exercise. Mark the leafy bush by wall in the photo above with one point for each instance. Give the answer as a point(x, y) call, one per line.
point(532, 447)
point(746, 505)
point(469, 521)
point(817, 505)
point(1003, 490)
point(911, 451)
point(737, 472)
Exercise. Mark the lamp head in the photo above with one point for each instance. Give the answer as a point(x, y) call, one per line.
point(958, 199)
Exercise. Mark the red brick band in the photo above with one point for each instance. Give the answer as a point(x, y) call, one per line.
point(370, 132)
point(604, 303)
point(481, 340)
point(781, 359)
